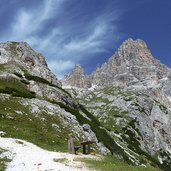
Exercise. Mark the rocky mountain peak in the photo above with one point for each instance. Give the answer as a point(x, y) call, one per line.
point(137, 42)
point(131, 64)
point(76, 78)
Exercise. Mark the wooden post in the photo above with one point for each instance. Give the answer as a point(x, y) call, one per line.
point(84, 149)
point(71, 148)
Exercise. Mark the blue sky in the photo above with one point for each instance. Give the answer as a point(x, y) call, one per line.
point(88, 32)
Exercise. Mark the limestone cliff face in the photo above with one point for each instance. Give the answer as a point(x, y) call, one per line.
point(76, 78)
point(133, 67)
point(134, 120)
point(22, 54)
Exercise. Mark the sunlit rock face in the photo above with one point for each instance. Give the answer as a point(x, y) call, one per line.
point(132, 64)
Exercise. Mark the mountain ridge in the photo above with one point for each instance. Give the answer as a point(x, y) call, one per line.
point(130, 53)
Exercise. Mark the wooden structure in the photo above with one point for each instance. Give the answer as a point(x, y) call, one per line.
point(72, 149)
point(86, 146)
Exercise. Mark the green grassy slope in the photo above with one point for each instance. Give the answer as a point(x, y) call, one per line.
point(18, 122)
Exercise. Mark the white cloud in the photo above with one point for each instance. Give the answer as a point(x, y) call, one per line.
point(67, 43)
point(60, 66)
point(93, 42)
point(28, 22)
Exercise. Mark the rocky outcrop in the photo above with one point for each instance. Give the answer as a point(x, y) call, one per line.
point(21, 54)
point(136, 121)
point(76, 78)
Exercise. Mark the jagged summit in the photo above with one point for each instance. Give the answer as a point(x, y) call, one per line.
point(132, 62)
point(135, 49)
point(78, 69)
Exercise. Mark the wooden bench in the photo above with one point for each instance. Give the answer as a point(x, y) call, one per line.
point(72, 149)
point(86, 146)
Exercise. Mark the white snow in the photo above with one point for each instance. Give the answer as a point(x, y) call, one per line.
point(28, 157)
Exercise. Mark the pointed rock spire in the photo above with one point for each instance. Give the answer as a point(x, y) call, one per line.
point(76, 78)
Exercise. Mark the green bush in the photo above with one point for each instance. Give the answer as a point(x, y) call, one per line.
point(15, 87)
point(18, 74)
point(36, 79)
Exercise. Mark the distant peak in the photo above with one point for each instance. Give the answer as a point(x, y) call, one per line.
point(128, 40)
